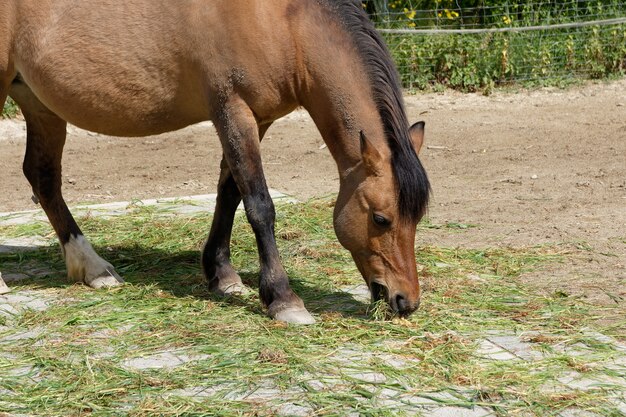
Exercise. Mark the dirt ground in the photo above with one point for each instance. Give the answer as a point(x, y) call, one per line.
point(525, 168)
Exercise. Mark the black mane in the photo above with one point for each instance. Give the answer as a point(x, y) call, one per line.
point(412, 182)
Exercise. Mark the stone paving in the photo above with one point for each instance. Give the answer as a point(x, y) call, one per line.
point(496, 346)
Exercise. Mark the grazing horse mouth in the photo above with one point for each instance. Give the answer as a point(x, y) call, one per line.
point(396, 304)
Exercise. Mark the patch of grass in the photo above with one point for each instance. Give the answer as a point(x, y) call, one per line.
point(77, 364)
point(10, 109)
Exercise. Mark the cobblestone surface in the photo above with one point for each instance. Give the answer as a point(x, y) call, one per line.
point(386, 391)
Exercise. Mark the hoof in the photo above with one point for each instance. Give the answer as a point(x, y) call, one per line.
point(107, 279)
point(236, 288)
point(3, 286)
point(298, 316)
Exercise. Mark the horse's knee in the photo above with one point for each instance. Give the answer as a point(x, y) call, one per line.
point(260, 211)
point(45, 179)
point(45, 140)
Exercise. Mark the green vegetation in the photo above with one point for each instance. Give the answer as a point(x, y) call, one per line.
point(482, 61)
point(78, 365)
point(470, 62)
point(9, 109)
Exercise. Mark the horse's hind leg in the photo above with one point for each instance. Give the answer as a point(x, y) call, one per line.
point(237, 129)
point(222, 278)
point(45, 138)
point(4, 87)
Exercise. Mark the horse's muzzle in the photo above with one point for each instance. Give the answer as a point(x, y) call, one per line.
point(399, 304)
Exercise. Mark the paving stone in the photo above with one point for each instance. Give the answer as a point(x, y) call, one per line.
point(26, 335)
point(111, 332)
point(8, 310)
point(264, 392)
point(202, 392)
point(577, 412)
point(294, 410)
point(359, 292)
point(602, 338)
point(581, 382)
point(322, 382)
point(15, 277)
point(163, 360)
point(367, 377)
point(620, 404)
point(23, 244)
point(175, 205)
point(617, 364)
point(428, 398)
point(261, 394)
point(27, 273)
point(555, 387)
point(575, 350)
point(397, 362)
point(23, 371)
point(23, 217)
point(13, 304)
point(490, 350)
point(458, 412)
point(514, 345)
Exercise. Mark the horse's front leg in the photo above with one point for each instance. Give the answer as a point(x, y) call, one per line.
point(222, 277)
point(45, 138)
point(238, 132)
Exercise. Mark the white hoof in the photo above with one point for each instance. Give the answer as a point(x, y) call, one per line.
point(3, 286)
point(236, 288)
point(84, 265)
point(108, 279)
point(298, 316)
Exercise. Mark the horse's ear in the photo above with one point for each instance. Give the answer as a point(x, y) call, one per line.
point(417, 135)
point(370, 156)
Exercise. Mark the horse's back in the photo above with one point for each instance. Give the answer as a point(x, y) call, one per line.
point(143, 66)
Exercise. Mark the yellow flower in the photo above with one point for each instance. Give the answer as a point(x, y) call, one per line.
point(507, 20)
point(451, 14)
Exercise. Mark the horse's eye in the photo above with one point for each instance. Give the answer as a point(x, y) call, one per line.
point(380, 220)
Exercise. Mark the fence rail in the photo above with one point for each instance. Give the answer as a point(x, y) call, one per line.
point(605, 22)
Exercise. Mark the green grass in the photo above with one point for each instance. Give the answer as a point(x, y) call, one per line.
point(76, 364)
point(10, 109)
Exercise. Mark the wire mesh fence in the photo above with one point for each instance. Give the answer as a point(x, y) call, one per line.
point(479, 46)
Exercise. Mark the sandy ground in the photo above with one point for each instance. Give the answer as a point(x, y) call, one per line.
point(526, 168)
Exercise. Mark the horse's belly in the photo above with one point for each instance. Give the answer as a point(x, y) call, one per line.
point(128, 120)
point(130, 106)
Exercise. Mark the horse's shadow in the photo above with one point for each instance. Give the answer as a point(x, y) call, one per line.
point(177, 272)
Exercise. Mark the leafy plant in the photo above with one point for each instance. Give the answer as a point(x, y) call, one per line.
point(10, 109)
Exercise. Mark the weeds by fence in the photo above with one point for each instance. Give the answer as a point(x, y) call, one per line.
point(478, 47)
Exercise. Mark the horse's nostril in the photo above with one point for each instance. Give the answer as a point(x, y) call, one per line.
point(401, 303)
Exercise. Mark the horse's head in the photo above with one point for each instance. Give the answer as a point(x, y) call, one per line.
point(369, 223)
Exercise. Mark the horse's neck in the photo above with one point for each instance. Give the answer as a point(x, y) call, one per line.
point(341, 104)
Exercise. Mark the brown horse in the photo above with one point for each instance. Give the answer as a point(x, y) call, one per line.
point(142, 67)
